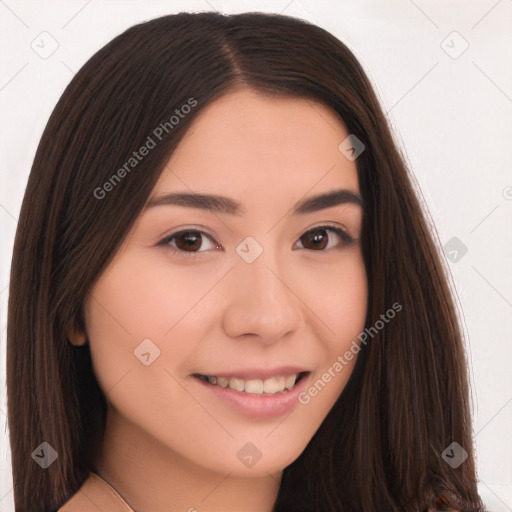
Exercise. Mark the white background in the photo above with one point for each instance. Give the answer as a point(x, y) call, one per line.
point(451, 116)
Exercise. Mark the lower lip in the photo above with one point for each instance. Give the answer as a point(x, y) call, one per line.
point(260, 406)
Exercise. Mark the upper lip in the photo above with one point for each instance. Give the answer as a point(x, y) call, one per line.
point(257, 373)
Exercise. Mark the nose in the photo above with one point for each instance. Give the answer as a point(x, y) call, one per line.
point(261, 302)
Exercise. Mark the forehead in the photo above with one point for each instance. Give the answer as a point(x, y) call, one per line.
point(252, 145)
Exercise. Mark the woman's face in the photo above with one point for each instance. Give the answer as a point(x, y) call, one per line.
point(249, 298)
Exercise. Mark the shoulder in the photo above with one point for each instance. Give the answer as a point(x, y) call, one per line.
point(95, 493)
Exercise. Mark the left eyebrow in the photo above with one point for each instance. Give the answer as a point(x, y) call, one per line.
point(222, 204)
point(322, 201)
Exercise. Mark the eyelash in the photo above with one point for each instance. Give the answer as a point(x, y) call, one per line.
point(346, 238)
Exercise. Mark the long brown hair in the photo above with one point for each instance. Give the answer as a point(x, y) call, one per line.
point(380, 447)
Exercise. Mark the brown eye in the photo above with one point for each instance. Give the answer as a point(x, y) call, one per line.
point(318, 239)
point(189, 241)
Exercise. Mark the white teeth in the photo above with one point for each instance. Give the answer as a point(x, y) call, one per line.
point(274, 384)
point(236, 384)
point(256, 386)
point(223, 382)
point(290, 381)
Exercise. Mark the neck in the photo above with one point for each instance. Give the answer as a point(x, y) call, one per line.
point(151, 476)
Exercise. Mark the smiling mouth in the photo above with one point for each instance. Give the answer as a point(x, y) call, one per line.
point(271, 386)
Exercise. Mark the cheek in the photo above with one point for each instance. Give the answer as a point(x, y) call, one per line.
point(338, 296)
point(134, 309)
point(138, 298)
point(339, 302)
point(130, 303)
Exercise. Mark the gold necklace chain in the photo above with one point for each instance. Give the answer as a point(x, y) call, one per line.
point(114, 491)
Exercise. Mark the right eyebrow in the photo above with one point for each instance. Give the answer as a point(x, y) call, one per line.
point(210, 202)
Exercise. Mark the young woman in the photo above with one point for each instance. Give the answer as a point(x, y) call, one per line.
point(224, 292)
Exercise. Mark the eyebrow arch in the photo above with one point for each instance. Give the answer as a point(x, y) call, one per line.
point(222, 204)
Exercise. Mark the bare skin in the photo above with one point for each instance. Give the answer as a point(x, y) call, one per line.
point(170, 443)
